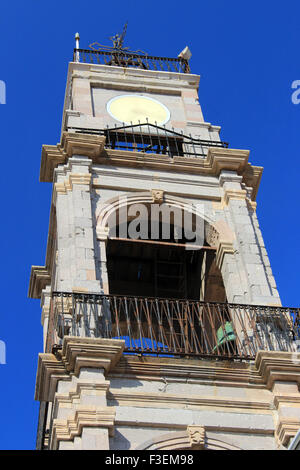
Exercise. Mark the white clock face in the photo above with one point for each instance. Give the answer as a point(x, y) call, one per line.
point(135, 108)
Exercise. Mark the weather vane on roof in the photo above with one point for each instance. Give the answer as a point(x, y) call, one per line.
point(117, 40)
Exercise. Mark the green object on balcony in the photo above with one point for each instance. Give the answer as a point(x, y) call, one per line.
point(224, 334)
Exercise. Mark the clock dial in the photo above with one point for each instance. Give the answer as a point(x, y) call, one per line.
point(134, 109)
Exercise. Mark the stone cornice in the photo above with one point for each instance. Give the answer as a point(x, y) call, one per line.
point(71, 144)
point(286, 429)
point(252, 177)
point(39, 279)
point(280, 372)
point(84, 416)
point(88, 145)
point(92, 146)
point(112, 75)
point(278, 366)
point(217, 159)
point(162, 400)
point(76, 353)
point(91, 352)
point(189, 370)
point(291, 399)
point(52, 155)
point(50, 370)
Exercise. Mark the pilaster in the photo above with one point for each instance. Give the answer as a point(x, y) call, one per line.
point(281, 374)
point(45, 304)
point(74, 380)
point(76, 268)
point(256, 282)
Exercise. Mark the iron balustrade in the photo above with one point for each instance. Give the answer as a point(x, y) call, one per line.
point(150, 138)
point(129, 59)
point(172, 327)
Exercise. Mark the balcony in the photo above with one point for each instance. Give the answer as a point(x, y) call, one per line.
point(174, 328)
point(153, 139)
point(121, 58)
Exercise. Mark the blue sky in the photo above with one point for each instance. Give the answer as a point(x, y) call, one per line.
point(247, 55)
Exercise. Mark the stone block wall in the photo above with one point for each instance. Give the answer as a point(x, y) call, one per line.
point(81, 189)
point(103, 399)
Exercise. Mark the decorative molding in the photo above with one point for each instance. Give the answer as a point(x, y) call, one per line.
point(189, 370)
point(84, 416)
point(252, 205)
point(39, 279)
point(233, 194)
point(288, 400)
point(76, 353)
point(177, 440)
point(52, 156)
point(98, 388)
point(197, 437)
point(217, 159)
point(278, 366)
point(137, 80)
point(102, 233)
point(50, 370)
point(204, 125)
point(220, 235)
point(91, 352)
point(252, 177)
point(223, 249)
point(80, 178)
point(193, 438)
point(286, 429)
point(91, 145)
point(88, 145)
point(158, 196)
point(236, 194)
point(167, 400)
point(63, 187)
point(229, 177)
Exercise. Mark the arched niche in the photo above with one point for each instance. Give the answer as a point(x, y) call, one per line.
point(216, 235)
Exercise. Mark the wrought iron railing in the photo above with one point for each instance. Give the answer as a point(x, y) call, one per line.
point(150, 138)
point(171, 327)
point(128, 59)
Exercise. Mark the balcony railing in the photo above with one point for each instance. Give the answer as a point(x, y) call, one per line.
point(172, 328)
point(128, 59)
point(150, 138)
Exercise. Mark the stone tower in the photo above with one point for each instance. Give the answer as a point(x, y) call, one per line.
point(163, 327)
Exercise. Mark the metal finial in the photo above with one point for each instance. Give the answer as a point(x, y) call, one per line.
point(77, 37)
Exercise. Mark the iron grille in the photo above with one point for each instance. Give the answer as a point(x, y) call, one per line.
point(174, 327)
point(128, 59)
point(150, 138)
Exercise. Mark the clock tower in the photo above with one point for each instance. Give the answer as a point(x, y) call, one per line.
point(163, 327)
